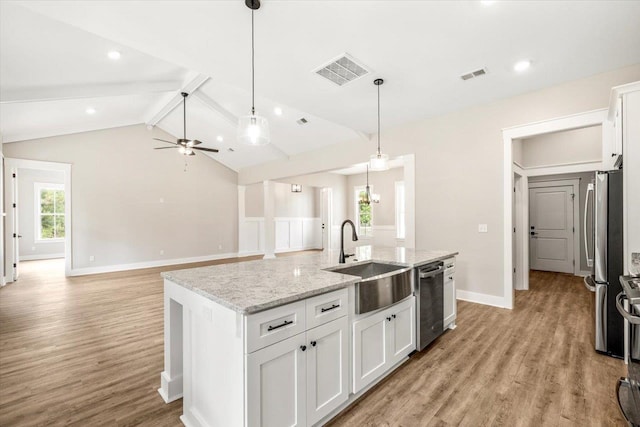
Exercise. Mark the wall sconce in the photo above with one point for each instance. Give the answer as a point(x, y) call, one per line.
point(375, 198)
point(296, 188)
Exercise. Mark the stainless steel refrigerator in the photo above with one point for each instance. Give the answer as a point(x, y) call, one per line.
point(603, 211)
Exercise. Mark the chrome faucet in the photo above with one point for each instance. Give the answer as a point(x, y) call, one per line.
point(354, 237)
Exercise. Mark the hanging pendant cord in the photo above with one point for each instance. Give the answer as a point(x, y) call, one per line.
point(378, 120)
point(184, 117)
point(253, 79)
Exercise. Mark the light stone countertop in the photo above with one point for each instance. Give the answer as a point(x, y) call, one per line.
point(252, 286)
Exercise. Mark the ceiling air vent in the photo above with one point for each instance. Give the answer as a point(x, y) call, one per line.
point(472, 74)
point(342, 70)
point(302, 121)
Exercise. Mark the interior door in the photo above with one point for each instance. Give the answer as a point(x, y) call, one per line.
point(551, 228)
point(326, 217)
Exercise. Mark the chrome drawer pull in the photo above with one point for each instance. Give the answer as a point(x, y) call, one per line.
point(322, 310)
point(282, 325)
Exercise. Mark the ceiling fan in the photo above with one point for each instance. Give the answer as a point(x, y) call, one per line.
point(186, 146)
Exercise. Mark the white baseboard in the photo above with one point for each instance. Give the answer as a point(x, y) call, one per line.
point(149, 264)
point(250, 253)
point(479, 298)
point(283, 251)
point(40, 256)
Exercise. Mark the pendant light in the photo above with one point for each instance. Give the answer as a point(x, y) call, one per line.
point(369, 198)
point(379, 161)
point(253, 129)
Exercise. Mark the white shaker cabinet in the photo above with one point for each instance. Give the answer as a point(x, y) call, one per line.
point(450, 303)
point(300, 380)
point(382, 340)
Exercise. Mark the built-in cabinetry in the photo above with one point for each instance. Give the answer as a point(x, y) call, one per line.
point(301, 379)
point(381, 340)
point(624, 114)
point(449, 288)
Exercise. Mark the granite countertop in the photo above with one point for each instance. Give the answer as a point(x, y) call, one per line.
point(252, 286)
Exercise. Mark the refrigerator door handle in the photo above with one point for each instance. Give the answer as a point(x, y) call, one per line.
point(601, 317)
point(586, 211)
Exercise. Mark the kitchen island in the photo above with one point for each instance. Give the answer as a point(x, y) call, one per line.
point(279, 341)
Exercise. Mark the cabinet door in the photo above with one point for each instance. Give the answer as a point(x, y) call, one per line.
point(402, 336)
point(327, 368)
point(449, 301)
point(370, 352)
point(276, 384)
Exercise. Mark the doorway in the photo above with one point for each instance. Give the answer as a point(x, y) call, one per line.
point(516, 254)
point(327, 217)
point(38, 214)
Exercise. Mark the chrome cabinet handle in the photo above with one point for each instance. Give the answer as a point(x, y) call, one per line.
point(630, 317)
point(282, 325)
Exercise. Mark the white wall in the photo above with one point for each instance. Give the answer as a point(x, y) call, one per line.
point(459, 168)
point(130, 202)
point(560, 148)
point(30, 248)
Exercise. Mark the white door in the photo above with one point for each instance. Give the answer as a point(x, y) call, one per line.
point(276, 384)
point(15, 227)
point(402, 334)
point(326, 219)
point(551, 228)
point(370, 352)
point(327, 368)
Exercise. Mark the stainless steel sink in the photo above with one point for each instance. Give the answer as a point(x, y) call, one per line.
point(382, 284)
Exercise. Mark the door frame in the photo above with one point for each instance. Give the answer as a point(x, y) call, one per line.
point(575, 183)
point(327, 217)
point(13, 165)
point(574, 121)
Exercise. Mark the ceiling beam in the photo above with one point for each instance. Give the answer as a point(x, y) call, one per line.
point(363, 135)
point(58, 93)
point(223, 112)
point(168, 107)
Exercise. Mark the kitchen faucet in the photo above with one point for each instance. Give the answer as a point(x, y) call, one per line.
point(354, 237)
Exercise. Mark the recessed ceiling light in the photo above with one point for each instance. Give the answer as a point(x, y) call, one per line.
point(90, 110)
point(278, 111)
point(114, 54)
point(521, 66)
point(219, 138)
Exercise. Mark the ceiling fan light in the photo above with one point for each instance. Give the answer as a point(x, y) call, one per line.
point(379, 162)
point(253, 130)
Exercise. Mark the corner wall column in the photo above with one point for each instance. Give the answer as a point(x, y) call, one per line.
point(269, 220)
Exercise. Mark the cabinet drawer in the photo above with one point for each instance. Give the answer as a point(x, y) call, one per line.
point(326, 307)
point(271, 326)
point(449, 267)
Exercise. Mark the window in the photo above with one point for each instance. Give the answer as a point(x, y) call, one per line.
point(400, 211)
point(49, 211)
point(364, 213)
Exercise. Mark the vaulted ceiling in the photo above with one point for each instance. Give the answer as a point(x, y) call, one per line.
point(54, 64)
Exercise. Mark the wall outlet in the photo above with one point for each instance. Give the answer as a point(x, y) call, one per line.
point(161, 199)
point(161, 251)
point(33, 248)
point(482, 228)
point(91, 258)
point(219, 246)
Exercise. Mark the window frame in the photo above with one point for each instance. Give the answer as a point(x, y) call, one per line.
point(400, 211)
point(368, 233)
point(38, 187)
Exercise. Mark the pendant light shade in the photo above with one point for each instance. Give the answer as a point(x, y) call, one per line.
point(253, 129)
point(379, 161)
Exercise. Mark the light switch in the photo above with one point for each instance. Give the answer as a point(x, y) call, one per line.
point(482, 228)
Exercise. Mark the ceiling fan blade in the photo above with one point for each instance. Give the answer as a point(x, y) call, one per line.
point(164, 148)
point(164, 140)
point(196, 142)
point(211, 150)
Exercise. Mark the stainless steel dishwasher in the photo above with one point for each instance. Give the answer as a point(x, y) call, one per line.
point(430, 300)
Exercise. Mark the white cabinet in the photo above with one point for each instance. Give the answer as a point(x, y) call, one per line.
point(276, 384)
point(300, 380)
point(382, 340)
point(450, 303)
point(327, 368)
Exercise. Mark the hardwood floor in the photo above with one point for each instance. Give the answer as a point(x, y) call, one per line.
point(88, 351)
